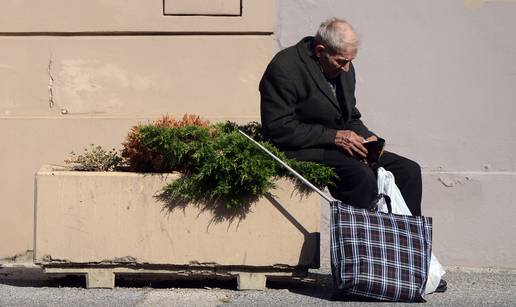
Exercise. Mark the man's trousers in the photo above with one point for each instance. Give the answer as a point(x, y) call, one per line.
point(357, 181)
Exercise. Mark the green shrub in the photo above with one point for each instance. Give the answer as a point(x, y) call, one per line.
point(219, 165)
point(229, 169)
point(180, 148)
point(221, 169)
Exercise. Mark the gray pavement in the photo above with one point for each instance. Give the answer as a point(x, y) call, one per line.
point(466, 288)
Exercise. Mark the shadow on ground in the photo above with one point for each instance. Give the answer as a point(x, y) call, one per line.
point(314, 285)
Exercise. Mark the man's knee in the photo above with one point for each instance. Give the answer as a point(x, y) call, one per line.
point(369, 179)
point(366, 188)
point(358, 173)
point(364, 179)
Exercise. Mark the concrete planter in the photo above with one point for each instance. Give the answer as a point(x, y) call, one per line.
point(106, 223)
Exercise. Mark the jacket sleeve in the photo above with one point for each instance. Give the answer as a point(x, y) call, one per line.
point(278, 113)
point(355, 123)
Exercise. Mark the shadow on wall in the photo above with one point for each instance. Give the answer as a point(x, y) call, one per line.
point(309, 255)
point(218, 209)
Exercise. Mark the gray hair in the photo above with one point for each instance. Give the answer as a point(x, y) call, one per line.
point(336, 34)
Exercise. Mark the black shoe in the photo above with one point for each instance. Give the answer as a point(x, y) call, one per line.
point(336, 296)
point(443, 286)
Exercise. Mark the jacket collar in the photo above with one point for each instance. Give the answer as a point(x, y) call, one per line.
point(305, 50)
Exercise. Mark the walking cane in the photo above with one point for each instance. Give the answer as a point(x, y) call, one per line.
point(293, 171)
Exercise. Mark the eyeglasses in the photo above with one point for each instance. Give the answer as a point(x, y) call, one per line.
point(339, 60)
point(343, 61)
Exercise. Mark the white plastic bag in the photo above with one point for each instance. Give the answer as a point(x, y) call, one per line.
point(387, 186)
point(435, 273)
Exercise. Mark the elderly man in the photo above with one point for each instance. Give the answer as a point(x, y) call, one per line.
point(308, 110)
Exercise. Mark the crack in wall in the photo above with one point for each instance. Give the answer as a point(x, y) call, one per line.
point(51, 102)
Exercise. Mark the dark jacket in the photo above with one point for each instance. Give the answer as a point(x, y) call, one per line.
point(300, 114)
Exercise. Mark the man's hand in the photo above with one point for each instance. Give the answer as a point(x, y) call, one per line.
point(351, 142)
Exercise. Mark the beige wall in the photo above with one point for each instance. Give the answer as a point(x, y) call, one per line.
point(435, 78)
point(65, 16)
point(75, 72)
point(129, 76)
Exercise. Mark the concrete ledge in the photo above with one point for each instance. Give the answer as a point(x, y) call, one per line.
point(101, 277)
point(251, 281)
point(115, 219)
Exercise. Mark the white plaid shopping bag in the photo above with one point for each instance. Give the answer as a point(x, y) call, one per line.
point(379, 256)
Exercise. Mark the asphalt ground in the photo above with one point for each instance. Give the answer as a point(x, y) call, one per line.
point(466, 287)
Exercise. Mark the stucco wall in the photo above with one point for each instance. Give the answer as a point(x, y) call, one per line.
point(437, 80)
point(76, 72)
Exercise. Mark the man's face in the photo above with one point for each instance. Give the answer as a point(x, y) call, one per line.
point(333, 64)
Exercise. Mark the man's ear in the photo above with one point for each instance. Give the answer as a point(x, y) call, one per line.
point(318, 49)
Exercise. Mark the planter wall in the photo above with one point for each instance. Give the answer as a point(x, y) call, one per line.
point(85, 219)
